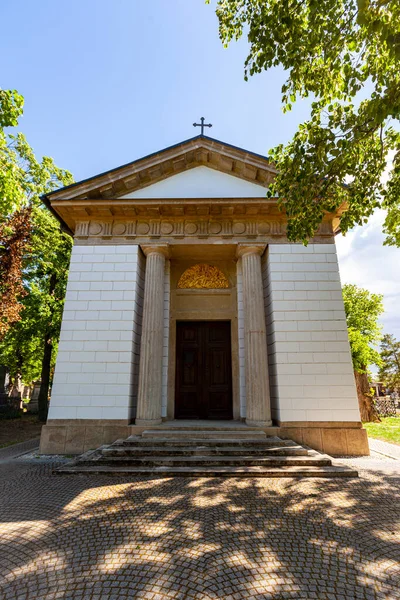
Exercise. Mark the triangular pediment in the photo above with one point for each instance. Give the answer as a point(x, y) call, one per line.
point(200, 182)
point(157, 168)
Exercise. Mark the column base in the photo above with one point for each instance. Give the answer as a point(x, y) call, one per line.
point(147, 422)
point(258, 423)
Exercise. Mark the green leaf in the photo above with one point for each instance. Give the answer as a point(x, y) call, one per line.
point(330, 49)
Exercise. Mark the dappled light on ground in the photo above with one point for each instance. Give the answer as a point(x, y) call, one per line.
point(111, 537)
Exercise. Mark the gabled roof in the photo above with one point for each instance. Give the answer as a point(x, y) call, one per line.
point(117, 200)
point(196, 151)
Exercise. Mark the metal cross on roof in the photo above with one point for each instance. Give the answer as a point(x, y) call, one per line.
point(202, 125)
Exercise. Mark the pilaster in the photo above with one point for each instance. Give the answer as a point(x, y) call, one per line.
point(258, 409)
point(151, 347)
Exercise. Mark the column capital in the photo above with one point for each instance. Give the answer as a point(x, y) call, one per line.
point(156, 249)
point(243, 249)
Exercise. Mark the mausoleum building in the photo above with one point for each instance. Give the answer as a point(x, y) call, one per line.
point(185, 300)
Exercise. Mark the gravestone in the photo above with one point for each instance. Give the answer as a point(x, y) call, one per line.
point(33, 406)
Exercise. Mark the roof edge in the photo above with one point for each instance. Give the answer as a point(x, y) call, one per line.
point(132, 162)
point(64, 226)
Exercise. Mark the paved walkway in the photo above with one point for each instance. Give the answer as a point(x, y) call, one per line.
point(384, 447)
point(103, 538)
point(17, 449)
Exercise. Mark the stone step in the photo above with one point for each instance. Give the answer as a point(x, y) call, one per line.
point(227, 460)
point(239, 433)
point(204, 426)
point(135, 441)
point(281, 471)
point(200, 450)
point(211, 453)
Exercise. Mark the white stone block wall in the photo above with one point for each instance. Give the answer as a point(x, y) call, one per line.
point(167, 304)
point(242, 373)
point(100, 334)
point(311, 374)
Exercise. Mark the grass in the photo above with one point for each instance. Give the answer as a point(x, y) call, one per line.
point(388, 430)
point(6, 444)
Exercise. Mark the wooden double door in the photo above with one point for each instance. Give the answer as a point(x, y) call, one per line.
point(203, 387)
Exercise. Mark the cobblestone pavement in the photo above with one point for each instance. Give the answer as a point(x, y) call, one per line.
point(96, 537)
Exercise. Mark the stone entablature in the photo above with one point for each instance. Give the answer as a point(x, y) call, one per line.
point(164, 229)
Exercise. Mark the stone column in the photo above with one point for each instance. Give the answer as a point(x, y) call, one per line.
point(258, 406)
point(151, 346)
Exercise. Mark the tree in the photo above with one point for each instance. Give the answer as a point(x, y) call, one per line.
point(23, 179)
point(14, 239)
point(346, 55)
point(389, 371)
point(29, 347)
point(46, 276)
point(11, 108)
point(21, 350)
point(33, 260)
point(362, 311)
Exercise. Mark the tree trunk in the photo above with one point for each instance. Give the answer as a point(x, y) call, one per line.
point(43, 397)
point(368, 411)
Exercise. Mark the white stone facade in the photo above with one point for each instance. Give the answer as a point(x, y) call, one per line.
point(98, 357)
point(137, 229)
point(311, 375)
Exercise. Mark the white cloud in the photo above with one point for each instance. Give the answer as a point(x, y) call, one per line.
point(365, 261)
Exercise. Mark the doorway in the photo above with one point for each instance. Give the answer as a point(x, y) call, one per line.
point(203, 387)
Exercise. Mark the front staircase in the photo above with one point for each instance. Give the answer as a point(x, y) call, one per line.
point(195, 451)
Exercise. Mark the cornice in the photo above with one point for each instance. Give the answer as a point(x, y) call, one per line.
point(159, 166)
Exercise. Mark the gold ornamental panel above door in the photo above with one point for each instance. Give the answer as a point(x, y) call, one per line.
point(203, 277)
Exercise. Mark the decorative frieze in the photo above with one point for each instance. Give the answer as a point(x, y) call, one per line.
point(197, 228)
point(107, 229)
point(82, 229)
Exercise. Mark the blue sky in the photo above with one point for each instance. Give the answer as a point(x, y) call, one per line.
point(107, 82)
